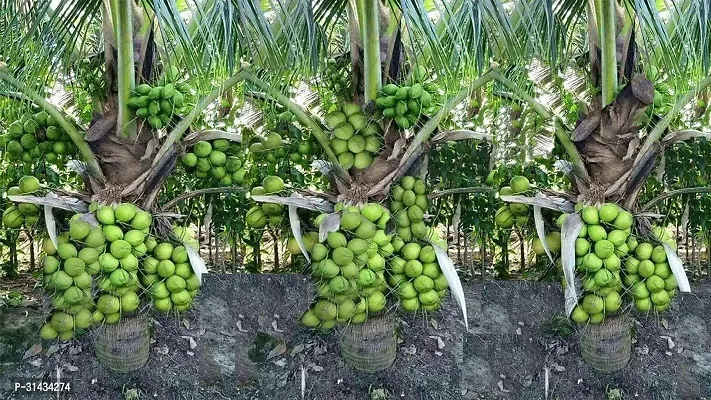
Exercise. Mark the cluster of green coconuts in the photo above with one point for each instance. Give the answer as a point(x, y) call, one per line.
point(272, 214)
point(414, 272)
point(158, 104)
point(26, 214)
point(511, 214)
point(101, 267)
point(35, 137)
point(360, 264)
point(349, 267)
point(405, 104)
point(612, 262)
point(215, 159)
point(356, 139)
point(167, 274)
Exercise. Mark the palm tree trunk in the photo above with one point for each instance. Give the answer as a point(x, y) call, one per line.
point(368, 16)
point(605, 9)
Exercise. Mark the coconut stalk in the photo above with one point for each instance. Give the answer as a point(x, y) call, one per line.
point(605, 9)
point(368, 16)
point(126, 71)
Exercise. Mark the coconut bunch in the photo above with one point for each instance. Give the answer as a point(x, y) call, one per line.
point(612, 263)
point(35, 137)
point(125, 231)
point(217, 159)
point(647, 274)
point(406, 104)
point(26, 214)
point(167, 274)
point(263, 214)
point(511, 214)
point(158, 104)
point(99, 251)
point(274, 147)
point(414, 272)
point(349, 267)
point(356, 139)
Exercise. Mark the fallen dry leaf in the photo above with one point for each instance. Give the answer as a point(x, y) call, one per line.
point(239, 326)
point(501, 387)
point(33, 351)
point(278, 350)
point(276, 328)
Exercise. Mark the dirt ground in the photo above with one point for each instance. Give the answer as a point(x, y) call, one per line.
point(242, 342)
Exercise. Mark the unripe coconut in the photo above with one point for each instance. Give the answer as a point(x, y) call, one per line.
point(582, 247)
point(50, 264)
point(74, 266)
point(660, 298)
point(183, 270)
point(662, 270)
point(319, 252)
point(95, 238)
point(623, 220)
point(79, 230)
point(62, 322)
point(579, 315)
point(202, 149)
point(108, 262)
point(504, 218)
point(256, 218)
point(336, 239)
point(597, 318)
point(129, 263)
point(125, 212)
point(108, 304)
point(441, 283)
point(411, 251)
point(538, 248)
point(645, 268)
point(431, 270)
point(639, 290)
point(342, 256)
point(120, 277)
point(592, 262)
point(350, 220)
point(66, 251)
point(309, 319)
point(273, 184)
point(553, 242)
point(590, 216)
point(519, 208)
point(408, 198)
point(366, 278)
point(160, 291)
point(163, 251)
point(612, 263)
point(325, 310)
point(372, 211)
point(428, 298)
point(164, 304)
point(608, 212)
point(112, 233)
point(593, 304)
point(376, 263)
point(166, 268)
point(377, 302)
point(120, 249)
point(519, 184)
point(408, 182)
point(413, 268)
point(366, 229)
point(410, 305)
point(329, 269)
point(604, 248)
point(381, 238)
point(643, 251)
point(47, 332)
point(597, 233)
point(357, 246)
point(659, 255)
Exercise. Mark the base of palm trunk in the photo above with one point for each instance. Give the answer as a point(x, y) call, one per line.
point(607, 347)
point(124, 346)
point(371, 346)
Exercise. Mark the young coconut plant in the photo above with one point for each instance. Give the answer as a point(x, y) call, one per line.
point(372, 241)
point(610, 248)
point(118, 253)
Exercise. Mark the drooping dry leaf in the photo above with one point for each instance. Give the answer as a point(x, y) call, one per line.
point(295, 224)
point(569, 232)
point(549, 202)
point(308, 202)
point(677, 269)
point(540, 230)
point(329, 224)
point(196, 261)
point(63, 202)
point(278, 350)
point(455, 285)
point(51, 224)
